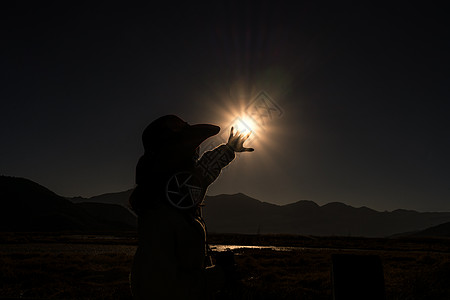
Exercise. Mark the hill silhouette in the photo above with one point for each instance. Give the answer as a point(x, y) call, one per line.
point(441, 230)
point(28, 206)
point(120, 198)
point(242, 214)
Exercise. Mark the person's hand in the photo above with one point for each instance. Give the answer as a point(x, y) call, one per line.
point(236, 141)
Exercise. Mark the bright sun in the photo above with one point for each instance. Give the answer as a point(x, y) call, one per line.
point(245, 125)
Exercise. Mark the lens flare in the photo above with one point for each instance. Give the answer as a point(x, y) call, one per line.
point(245, 125)
point(247, 111)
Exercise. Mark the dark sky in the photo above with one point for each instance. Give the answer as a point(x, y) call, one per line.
point(363, 90)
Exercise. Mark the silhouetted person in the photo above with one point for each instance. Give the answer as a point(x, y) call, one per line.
point(172, 261)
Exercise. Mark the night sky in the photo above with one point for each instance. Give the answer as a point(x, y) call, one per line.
point(362, 92)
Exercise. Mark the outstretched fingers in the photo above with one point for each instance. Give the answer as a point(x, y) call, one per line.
point(237, 139)
point(231, 133)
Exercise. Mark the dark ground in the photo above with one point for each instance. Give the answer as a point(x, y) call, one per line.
point(68, 266)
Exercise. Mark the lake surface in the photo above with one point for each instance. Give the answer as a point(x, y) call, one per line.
point(221, 248)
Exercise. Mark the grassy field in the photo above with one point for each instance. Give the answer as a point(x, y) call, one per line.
point(79, 267)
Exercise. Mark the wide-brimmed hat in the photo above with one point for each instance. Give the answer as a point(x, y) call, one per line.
point(172, 131)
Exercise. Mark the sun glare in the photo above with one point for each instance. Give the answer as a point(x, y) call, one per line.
point(245, 125)
point(247, 111)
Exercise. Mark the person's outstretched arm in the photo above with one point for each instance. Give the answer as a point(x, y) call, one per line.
point(213, 161)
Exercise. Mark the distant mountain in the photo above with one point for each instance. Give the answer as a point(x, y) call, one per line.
point(112, 214)
point(120, 198)
point(441, 230)
point(28, 206)
point(239, 213)
point(242, 214)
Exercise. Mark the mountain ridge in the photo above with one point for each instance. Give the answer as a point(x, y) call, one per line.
point(28, 206)
point(224, 213)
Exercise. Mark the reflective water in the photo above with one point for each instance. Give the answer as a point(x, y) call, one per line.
point(221, 248)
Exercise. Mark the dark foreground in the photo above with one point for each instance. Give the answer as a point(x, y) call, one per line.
point(67, 266)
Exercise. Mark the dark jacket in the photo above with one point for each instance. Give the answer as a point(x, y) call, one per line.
point(171, 259)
